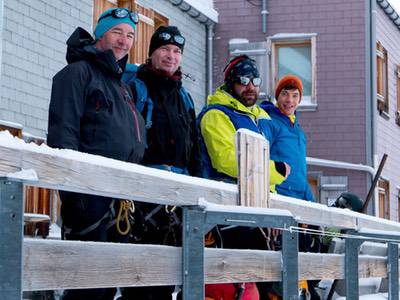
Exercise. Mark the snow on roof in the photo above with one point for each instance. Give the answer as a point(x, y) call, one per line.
point(389, 7)
point(11, 124)
point(206, 7)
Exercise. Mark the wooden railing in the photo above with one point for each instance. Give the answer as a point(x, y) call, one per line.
point(37, 264)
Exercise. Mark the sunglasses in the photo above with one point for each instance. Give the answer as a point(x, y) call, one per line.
point(121, 13)
point(243, 80)
point(178, 39)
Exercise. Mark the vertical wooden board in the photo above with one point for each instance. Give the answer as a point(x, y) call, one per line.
point(99, 6)
point(44, 201)
point(264, 178)
point(144, 31)
point(35, 196)
point(27, 199)
point(240, 154)
point(260, 177)
point(55, 205)
point(251, 156)
point(255, 165)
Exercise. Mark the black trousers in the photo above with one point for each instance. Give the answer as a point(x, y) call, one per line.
point(99, 234)
point(149, 293)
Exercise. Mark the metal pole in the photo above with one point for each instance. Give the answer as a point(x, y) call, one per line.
point(209, 65)
point(374, 182)
point(290, 272)
point(193, 253)
point(393, 270)
point(11, 238)
point(351, 268)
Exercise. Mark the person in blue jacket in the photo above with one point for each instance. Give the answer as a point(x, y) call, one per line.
point(288, 143)
point(287, 139)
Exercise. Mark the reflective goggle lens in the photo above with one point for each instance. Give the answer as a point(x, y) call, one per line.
point(121, 13)
point(180, 40)
point(246, 80)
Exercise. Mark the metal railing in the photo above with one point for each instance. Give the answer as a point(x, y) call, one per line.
point(36, 264)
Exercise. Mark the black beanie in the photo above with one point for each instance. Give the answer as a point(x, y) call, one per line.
point(156, 42)
point(239, 66)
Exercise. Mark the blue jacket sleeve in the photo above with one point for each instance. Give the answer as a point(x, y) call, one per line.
point(308, 194)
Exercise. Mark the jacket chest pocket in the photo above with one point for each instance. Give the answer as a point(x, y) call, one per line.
point(100, 102)
point(97, 114)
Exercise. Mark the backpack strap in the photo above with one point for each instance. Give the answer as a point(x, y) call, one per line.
point(187, 99)
point(142, 98)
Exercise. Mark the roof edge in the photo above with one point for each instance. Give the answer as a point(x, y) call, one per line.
point(390, 12)
point(202, 13)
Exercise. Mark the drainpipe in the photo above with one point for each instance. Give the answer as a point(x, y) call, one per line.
point(340, 165)
point(370, 88)
point(209, 54)
point(1, 35)
point(264, 14)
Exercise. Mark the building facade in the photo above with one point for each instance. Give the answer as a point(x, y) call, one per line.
point(332, 45)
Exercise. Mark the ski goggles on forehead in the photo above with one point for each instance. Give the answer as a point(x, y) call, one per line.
point(121, 13)
point(243, 80)
point(167, 37)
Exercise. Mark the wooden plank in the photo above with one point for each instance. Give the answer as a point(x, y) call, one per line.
point(315, 213)
point(253, 171)
point(366, 221)
point(50, 264)
point(318, 214)
point(114, 178)
point(129, 181)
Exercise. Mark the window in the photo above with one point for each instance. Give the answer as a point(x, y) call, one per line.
point(382, 79)
point(384, 203)
point(149, 21)
point(295, 54)
point(398, 96)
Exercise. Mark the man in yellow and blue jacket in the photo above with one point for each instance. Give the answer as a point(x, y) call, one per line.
point(232, 107)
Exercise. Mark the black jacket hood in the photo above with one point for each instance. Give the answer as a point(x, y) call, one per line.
point(80, 46)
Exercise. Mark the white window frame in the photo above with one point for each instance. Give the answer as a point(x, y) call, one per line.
point(308, 103)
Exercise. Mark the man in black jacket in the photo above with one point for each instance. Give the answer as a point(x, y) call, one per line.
point(92, 111)
point(172, 141)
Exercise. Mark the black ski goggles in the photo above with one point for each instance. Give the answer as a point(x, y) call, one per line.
point(243, 80)
point(174, 39)
point(121, 13)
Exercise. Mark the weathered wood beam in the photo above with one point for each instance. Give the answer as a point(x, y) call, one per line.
point(61, 169)
point(114, 178)
point(72, 264)
point(253, 171)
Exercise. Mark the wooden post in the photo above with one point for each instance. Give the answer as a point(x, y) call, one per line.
point(253, 168)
